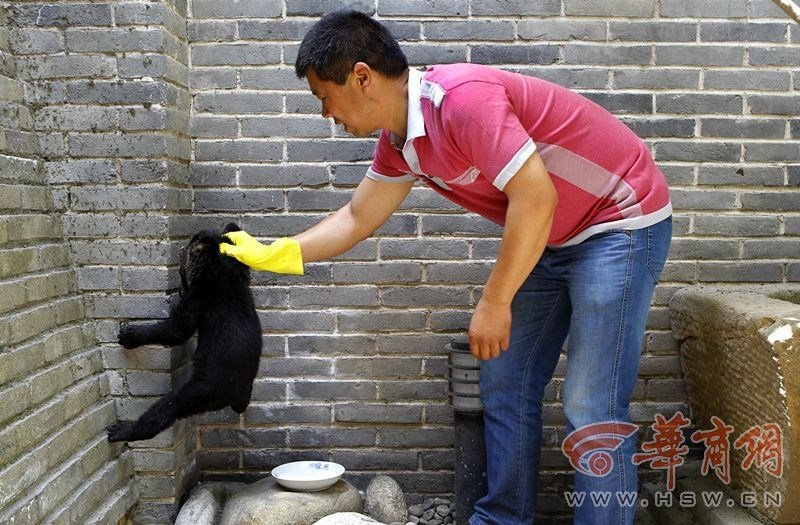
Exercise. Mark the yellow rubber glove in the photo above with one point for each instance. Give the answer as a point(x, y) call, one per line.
point(282, 256)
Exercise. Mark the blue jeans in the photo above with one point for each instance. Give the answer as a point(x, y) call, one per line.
point(598, 292)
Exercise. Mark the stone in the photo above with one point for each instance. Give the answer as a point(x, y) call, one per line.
point(267, 502)
point(205, 503)
point(739, 352)
point(385, 500)
point(347, 518)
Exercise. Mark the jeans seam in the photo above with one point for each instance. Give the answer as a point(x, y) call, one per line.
point(523, 396)
point(615, 371)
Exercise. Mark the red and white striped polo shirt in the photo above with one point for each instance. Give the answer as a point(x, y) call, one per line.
point(471, 127)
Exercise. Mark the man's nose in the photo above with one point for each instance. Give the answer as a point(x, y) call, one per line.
point(325, 112)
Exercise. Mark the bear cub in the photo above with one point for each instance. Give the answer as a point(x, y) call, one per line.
point(215, 301)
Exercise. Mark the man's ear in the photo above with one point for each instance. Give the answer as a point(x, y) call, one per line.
point(363, 75)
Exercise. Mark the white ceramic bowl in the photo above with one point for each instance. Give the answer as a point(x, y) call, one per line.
point(308, 476)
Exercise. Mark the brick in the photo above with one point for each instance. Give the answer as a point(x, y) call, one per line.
point(75, 118)
point(742, 128)
point(623, 103)
point(703, 199)
point(266, 413)
point(329, 150)
point(214, 127)
point(649, 127)
point(423, 8)
point(662, 31)
point(770, 201)
point(414, 390)
point(352, 296)
point(285, 126)
point(770, 248)
point(726, 9)
point(416, 437)
point(117, 92)
point(227, 200)
point(773, 104)
point(216, 31)
point(509, 54)
point(742, 32)
point(290, 320)
point(656, 79)
point(424, 54)
point(403, 31)
point(772, 152)
point(288, 175)
point(237, 103)
point(424, 249)
point(241, 9)
point(115, 40)
point(704, 249)
point(385, 273)
point(698, 55)
point(562, 30)
point(754, 80)
point(428, 295)
point(378, 367)
point(736, 272)
point(466, 273)
point(25, 41)
point(773, 56)
point(380, 321)
point(378, 413)
point(469, 30)
point(737, 175)
point(692, 152)
point(692, 103)
point(273, 30)
point(333, 390)
point(238, 150)
point(212, 78)
point(234, 437)
point(623, 8)
point(765, 9)
point(62, 15)
point(727, 225)
point(282, 78)
point(377, 459)
point(516, 7)
point(235, 54)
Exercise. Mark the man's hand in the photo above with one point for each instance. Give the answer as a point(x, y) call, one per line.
point(490, 328)
point(282, 256)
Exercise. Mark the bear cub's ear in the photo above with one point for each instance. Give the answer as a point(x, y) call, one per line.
point(231, 227)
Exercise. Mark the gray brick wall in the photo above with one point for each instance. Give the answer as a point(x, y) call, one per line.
point(55, 463)
point(128, 125)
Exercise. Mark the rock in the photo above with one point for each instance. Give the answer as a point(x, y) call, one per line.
point(205, 503)
point(415, 510)
point(347, 518)
point(385, 500)
point(267, 502)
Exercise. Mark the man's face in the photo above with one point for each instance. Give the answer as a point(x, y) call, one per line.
point(345, 104)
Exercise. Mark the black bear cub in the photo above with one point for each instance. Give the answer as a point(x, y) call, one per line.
point(215, 301)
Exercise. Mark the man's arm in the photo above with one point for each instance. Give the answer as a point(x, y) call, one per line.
point(532, 201)
point(372, 204)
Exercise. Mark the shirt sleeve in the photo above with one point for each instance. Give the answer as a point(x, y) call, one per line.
point(384, 166)
point(480, 119)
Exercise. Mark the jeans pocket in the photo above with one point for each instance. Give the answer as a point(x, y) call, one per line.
point(659, 237)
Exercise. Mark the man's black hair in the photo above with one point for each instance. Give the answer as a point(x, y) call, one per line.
point(340, 39)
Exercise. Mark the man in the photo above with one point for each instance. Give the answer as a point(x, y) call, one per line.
point(586, 228)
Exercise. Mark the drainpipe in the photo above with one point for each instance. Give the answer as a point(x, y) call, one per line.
point(470, 448)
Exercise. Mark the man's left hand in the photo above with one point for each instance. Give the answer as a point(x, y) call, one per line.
point(490, 329)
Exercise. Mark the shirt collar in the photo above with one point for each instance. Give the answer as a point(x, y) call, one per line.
point(415, 125)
